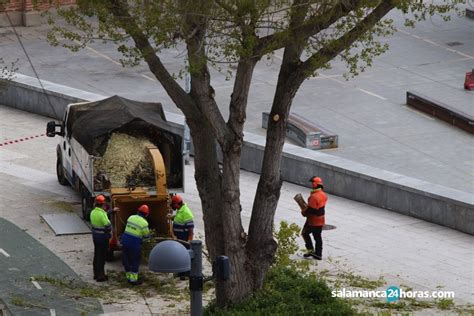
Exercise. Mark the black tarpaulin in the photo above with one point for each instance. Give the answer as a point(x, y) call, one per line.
point(93, 122)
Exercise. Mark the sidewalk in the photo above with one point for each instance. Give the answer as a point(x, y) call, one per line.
point(370, 241)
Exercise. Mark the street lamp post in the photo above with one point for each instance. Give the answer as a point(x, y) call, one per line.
point(170, 256)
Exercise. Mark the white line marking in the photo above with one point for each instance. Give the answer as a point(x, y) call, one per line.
point(149, 78)
point(326, 77)
point(52, 312)
point(464, 55)
point(372, 94)
point(431, 42)
point(103, 56)
point(402, 31)
point(36, 284)
point(3, 252)
point(351, 86)
point(436, 44)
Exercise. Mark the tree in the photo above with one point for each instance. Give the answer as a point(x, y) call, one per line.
point(240, 32)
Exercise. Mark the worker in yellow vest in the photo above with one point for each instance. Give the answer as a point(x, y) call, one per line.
point(183, 221)
point(101, 229)
point(135, 231)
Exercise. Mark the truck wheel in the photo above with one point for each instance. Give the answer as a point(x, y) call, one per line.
point(60, 173)
point(86, 205)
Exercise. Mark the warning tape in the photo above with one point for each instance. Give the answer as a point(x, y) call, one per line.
point(15, 141)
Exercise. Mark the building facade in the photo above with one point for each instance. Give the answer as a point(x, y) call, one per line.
point(25, 12)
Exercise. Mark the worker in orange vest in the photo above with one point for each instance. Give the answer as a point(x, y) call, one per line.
point(315, 220)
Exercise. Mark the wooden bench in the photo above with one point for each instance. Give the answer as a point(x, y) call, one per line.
point(306, 133)
point(442, 111)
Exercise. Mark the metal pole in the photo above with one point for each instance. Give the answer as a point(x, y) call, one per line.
point(186, 134)
point(196, 279)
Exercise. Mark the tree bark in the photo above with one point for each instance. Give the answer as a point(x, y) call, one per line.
point(262, 246)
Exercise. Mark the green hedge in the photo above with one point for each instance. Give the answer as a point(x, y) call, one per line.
point(288, 292)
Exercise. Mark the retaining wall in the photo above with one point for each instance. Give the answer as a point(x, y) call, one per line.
point(342, 177)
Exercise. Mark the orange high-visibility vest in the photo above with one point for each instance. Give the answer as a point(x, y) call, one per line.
point(316, 203)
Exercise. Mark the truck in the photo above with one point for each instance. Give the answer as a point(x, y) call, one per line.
point(85, 137)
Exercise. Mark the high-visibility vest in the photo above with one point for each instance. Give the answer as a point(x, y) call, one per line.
point(137, 227)
point(100, 222)
point(316, 207)
point(183, 219)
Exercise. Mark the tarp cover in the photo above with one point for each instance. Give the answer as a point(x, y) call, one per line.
point(93, 122)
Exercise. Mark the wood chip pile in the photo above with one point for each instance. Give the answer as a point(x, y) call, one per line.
point(126, 161)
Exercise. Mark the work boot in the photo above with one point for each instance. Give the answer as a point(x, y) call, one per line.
point(138, 282)
point(102, 278)
point(309, 253)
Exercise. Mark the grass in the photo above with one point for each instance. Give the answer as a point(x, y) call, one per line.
point(21, 302)
point(445, 304)
point(63, 206)
point(358, 281)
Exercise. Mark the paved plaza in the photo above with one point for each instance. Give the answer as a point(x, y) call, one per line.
point(368, 112)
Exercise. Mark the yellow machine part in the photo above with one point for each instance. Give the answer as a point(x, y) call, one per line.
point(129, 200)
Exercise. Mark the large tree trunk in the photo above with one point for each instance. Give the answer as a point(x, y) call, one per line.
point(208, 179)
point(262, 246)
point(234, 237)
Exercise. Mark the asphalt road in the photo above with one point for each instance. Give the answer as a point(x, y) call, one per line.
point(22, 259)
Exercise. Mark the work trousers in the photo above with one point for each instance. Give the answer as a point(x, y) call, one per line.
point(131, 257)
point(316, 232)
point(101, 245)
point(184, 237)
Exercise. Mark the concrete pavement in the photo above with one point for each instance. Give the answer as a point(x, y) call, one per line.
point(367, 112)
point(370, 241)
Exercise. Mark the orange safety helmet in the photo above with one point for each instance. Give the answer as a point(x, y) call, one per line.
point(176, 200)
point(316, 181)
point(100, 199)
point(144, 209)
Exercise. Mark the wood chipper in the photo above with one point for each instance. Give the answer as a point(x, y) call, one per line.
point(128, 200)
point(124, 150)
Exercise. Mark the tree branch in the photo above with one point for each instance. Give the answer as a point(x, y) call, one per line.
point(182, 100)
point(310, 27)
point(329, 52)
point(196, 27)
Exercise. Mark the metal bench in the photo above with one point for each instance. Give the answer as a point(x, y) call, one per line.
point(306, 133)
point(442, 111)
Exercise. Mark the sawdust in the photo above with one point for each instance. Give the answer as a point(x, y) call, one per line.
point(126, 161)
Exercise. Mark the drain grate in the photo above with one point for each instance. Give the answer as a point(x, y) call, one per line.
point(454, 44)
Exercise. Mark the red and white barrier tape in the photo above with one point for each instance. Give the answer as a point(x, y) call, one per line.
point(15, 141)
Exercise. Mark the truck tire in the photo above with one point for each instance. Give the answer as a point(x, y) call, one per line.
point(86, 205)
point(60, 173)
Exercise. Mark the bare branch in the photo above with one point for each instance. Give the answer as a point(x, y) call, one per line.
point(328, 52)
point(200, 77)
point(120, 11)
point(310, 27)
